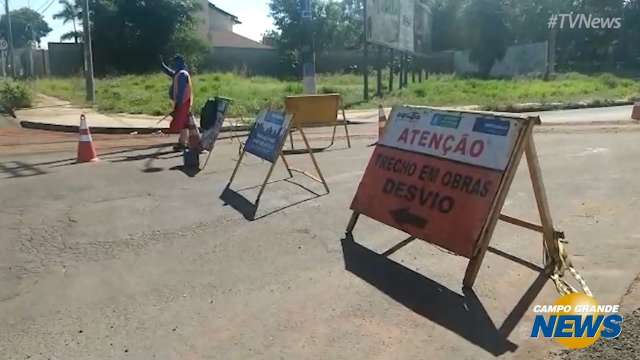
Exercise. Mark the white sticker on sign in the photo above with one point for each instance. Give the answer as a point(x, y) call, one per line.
point(474, 139)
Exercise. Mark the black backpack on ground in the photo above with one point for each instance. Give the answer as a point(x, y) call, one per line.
point(208, 114)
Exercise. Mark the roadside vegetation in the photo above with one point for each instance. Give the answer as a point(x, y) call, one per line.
point(504, 94)
point(148, 94)
point(14, 95)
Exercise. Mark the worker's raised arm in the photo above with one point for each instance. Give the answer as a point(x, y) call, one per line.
point(166, 69)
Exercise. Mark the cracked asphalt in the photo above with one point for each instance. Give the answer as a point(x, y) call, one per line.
point(130, 258)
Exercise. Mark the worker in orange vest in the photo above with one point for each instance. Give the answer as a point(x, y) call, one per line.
point(181, 92)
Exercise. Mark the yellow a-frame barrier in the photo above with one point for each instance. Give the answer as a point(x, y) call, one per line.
point(317, 111)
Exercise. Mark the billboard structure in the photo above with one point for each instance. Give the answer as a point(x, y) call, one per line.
point(403, 25)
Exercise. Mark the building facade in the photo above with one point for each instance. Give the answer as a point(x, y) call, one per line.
point(212, 19)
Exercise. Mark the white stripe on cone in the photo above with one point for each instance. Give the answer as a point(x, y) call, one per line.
point(86, 150)
point(382, 121)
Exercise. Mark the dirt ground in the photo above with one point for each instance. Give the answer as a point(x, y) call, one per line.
point(627, 346)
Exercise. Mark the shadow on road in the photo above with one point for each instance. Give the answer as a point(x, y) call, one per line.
point(187, 170)
point(155, 155)
point(239, 203)
point(19, 169)
point(463, 314)
point(248, 209)
point(160, 153)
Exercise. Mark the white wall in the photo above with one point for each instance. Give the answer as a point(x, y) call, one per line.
point(219, 21)
point(210, 20)
point(519, 60)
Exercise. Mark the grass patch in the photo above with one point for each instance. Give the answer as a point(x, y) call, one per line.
point(448, 90)
point(14, 95)
point(148, 94)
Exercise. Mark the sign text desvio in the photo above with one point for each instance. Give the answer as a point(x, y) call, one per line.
point(435, 174)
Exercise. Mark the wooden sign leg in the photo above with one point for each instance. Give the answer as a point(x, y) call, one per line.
point(291, 139)
point(487, 232)
point(207, 161)
point(352, 222)
point(333, 137)
point(235, 170)
point(313, 159)
point(346, 128)
point(535, 172)
point(286, 164)
point(266, 181)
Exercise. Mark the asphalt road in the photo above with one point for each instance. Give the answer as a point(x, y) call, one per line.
point(132, 258)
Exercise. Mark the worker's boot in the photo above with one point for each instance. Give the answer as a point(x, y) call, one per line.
point(179, 147)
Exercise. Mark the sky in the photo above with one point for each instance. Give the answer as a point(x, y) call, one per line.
point(252, 13)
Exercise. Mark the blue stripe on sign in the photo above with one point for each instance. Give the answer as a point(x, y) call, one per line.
point(447, 121)
point(492, 126)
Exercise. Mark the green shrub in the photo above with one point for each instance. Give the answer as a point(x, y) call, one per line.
point(608, 80)
point(15, 95)
point(329, 90)
point(420, 92)
point(294, 89)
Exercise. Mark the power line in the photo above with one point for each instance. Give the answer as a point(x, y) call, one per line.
point(46, 7)
point(42, 5)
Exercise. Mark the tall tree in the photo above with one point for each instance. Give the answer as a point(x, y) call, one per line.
point(129, 35)
point(26, 25)
point(446, 26)
point(71, 12)
point(334, 25)
point(486, 32)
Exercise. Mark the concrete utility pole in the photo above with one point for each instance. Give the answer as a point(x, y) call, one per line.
point(88, 54)
point(551, 54)
point(308, 50)
point(32, 44)
point(10, 39)
point(365, 58)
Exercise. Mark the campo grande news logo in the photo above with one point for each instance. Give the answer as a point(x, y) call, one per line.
point(577, 321)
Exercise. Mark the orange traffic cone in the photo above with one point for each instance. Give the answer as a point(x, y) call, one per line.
point(86, 150)
point(382, 122)
point(636, 111)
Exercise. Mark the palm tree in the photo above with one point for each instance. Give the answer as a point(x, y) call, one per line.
point(71, 12)
point(75, 35)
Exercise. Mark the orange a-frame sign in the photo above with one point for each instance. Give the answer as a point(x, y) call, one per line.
point(443, 176)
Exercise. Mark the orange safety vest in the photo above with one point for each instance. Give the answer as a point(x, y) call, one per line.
point(187, 92)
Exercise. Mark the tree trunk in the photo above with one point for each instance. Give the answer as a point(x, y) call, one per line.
point(75, 31)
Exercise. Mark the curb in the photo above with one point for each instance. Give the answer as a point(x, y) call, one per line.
point(129, 130)
point(538, 107)
point(110, 130)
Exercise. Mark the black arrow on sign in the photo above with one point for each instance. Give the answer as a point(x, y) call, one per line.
point(405, 217)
